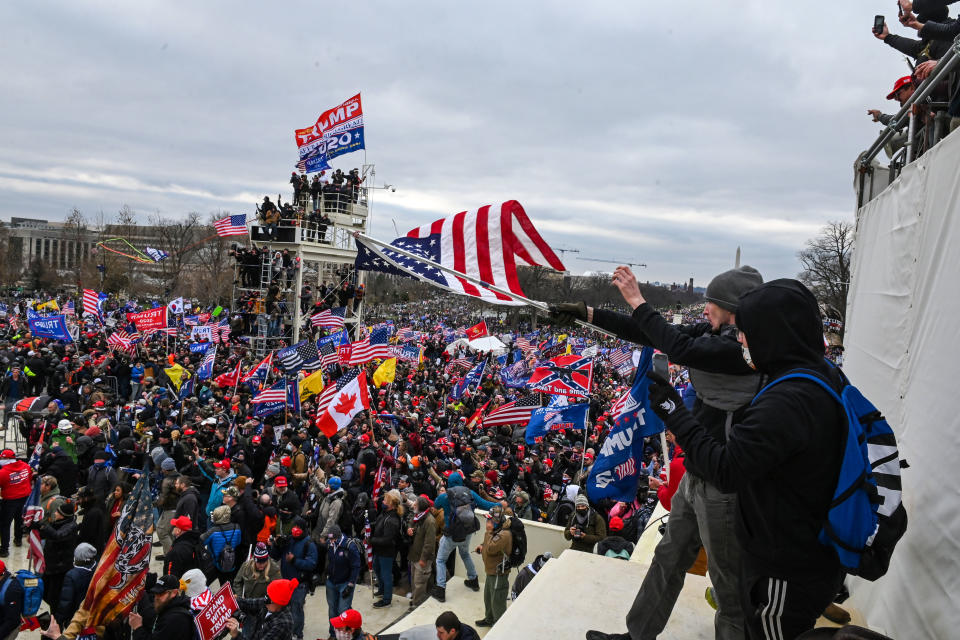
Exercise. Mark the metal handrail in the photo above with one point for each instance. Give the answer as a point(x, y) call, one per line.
point(946, 64)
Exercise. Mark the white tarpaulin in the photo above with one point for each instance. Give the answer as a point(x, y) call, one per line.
point(488, 344)
point(902, 351)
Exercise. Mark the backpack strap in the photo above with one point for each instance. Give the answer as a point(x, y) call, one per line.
point(3, 590)
point(801, 374)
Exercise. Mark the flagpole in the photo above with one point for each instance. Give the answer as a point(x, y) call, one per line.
point(542, 306)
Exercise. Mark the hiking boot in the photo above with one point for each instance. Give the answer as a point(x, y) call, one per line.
point(486, 622)
point(440, 593)
point(473, 583)
point(836, 614)
point(17, 542)
point(600, 635)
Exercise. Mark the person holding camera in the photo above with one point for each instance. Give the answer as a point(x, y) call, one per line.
point(585, 526)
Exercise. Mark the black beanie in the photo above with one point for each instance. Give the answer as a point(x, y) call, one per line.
point(725, 289)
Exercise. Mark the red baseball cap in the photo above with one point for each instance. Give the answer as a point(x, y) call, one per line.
point(7, 454)
point(255, 439)
point(280, 481)
point(183, 523)
point(900, 84)
point(223, 464)
point(98, 404)
point(350, 618)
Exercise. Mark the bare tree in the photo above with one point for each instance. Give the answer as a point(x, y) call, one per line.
point(76, 232)
point(215, 265)
point(180, 239)
point(826, 267)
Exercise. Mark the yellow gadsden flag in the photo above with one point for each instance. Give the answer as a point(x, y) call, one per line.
point(175, 373)
point(311, 385)
point(385, 373)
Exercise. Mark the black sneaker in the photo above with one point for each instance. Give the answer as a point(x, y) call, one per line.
point(17, 542)
point(379, 604)
point(160, 558)
point(600, 635)
point(472, 584)
point(440, 593)
point(483, 623)
point(4, 553)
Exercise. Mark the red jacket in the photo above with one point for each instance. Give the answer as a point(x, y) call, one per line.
point(16, 480)
point(677, 469)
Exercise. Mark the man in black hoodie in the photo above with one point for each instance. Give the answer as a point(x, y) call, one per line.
point(174, 617)
point(782, 459)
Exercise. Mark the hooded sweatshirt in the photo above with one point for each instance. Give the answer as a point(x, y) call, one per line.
point(783, 458)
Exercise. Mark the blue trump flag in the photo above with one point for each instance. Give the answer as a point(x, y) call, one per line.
point(51, 327)
point(542, 421)
point(338, 339)
point(474, 376)
point(616, 472)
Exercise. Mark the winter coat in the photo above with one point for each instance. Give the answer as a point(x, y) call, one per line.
point(182, 555)
point(167, 500)
point(385, 533)
point(12, 604)
point(188, 504)
point(615, 546)
point(275, 626)
point(218, 537)
point(174, 621)
point(61, 467)
point(94, 526)
point(783, 458)
point(424, 545)
point(329, 513)
point(593, 532)
point(101, 479)
point(304, 558)
point(60, 539)
point(343, 561)
point(250, 583)
point(72, 593)
point(496, 547)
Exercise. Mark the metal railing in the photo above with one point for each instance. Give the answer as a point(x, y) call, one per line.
point(946, 65)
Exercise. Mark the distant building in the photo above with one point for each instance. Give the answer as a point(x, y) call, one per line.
point(53, 242)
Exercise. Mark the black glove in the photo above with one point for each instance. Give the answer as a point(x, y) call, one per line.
point(664, 399)
point(347, 591)
point(566, 313)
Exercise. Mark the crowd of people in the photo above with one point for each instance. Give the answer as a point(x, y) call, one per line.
point(936, 31)
point(280, 509)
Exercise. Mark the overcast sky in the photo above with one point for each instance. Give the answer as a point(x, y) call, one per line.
point(663, 133)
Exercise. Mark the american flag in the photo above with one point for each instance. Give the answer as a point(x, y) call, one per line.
point(91, 303)
point(205, 370)
point(374, 346)
point(328, 354)
point(303, 355)
point(32, 513)
point(485, 244)
point(619, 356)
point(70, 308)
point(407, 334)
point(513, 412)
point(329, 318)
point(231, 226)
point(120, 339)
point(258, 375)
point(366, 541)
point(377, 483)
point(275, 393)
point(458, 363)
point(524, 345)
point(221, 331)
point(120, 575)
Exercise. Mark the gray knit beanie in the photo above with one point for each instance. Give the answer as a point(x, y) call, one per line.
point(581, 501)
point(725, 289)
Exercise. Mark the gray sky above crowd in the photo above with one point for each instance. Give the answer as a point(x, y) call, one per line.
point(667, 134)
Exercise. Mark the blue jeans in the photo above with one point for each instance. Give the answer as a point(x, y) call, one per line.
point(336, 602)
point(383, 566)
point(296, 609)
point(447, 545)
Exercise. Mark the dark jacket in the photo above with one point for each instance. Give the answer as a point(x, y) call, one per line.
point(72, 593)
point(715, 360)
point(11, 606)
point(424, 544)
point(594, 531)
point(168, 498)
point(182, 555)
point(246, 514)
point(101, 479)
point(61, 540)
point(189, 505)
point(616, 544)
point(174, 621)
point(278, 626)
point(95, 526)
point(304, 558)
point(343, 561)
point(385, 533)
point(783, 458)
point(64, 469)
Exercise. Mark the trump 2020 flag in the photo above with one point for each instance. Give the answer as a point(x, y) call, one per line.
point(552, 418)
point(120, 575)
point(474, 376)
point(617, 470)
point(50, 327)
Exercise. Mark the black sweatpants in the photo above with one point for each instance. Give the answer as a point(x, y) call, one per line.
point(11, 511)
point(778, 609)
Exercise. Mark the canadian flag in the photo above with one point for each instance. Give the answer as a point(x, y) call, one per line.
point(346, 402)
point(477, 331)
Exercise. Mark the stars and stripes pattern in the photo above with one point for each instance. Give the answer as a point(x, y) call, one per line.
point(70, 308)
point(617, 357)
point(33, 513)
point(275, 393)
point(485, 244)
point(328, 354)
point(524, 344)
point(406, 334)
point(458, 363)
point(231, 226)
point(367, 547)
point(329, 318)
point(515, 412)
point(303, 355)
point(371, 347)
point(258, 375)
point(91, 303)
point(206, 367)
point(120, 339)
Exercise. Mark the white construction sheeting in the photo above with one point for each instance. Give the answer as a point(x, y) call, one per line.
point(903, 351)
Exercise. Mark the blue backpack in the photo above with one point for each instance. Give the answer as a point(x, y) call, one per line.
point(32, 586)
point(866, 518)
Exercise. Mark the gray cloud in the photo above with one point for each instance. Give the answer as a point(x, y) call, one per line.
point(669, 134)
